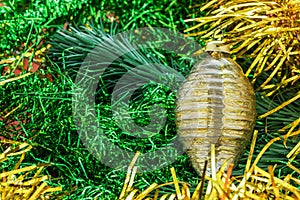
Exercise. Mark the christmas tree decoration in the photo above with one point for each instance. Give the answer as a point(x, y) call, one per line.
point(215, 105)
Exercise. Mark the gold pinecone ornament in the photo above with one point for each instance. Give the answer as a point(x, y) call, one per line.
point(215, 105)
point(267, 32)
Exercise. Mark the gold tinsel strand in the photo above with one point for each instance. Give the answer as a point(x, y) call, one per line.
point(267, 32)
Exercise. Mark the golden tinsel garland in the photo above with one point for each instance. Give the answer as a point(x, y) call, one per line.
point(16, 183)
point(255, 183)
point(267, 32)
